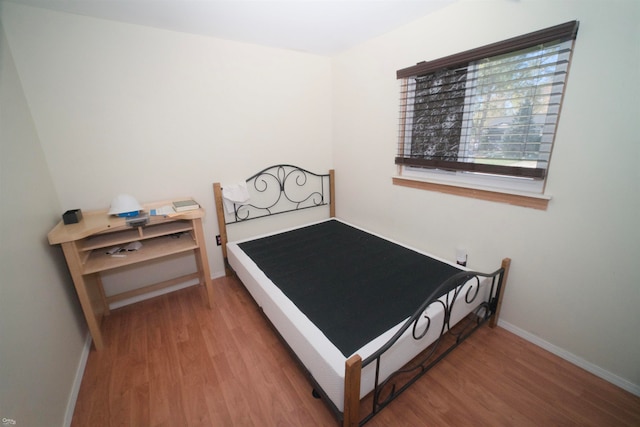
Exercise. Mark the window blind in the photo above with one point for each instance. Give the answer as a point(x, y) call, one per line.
point(493, 114)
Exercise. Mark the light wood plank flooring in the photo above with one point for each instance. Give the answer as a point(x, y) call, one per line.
point(170, 361)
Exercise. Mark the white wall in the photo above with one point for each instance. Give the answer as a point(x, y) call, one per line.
point(158, 114)
point(42, 332)
point(114, 108)
point(574, 283)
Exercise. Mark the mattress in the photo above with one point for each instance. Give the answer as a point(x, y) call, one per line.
point(323, 359)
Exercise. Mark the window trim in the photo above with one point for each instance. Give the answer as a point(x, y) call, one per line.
point(527, 200)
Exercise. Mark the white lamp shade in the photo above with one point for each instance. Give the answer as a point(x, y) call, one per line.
point(124, 204)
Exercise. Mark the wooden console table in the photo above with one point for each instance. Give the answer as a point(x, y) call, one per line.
point(85, 245)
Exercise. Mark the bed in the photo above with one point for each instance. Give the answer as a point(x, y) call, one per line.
point(364, 316)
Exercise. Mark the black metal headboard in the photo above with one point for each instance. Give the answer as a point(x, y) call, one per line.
point(282, 188)
point(274, 190)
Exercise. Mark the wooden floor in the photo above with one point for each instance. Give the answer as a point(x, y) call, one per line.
point(170, 361)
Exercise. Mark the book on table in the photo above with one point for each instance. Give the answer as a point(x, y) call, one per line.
point(166, 210)
point(185, 205)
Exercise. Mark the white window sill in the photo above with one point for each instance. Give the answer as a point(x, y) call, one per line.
point(529, 200)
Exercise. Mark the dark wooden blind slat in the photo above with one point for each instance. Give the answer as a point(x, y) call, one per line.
point(566, 31)
point(537, 173)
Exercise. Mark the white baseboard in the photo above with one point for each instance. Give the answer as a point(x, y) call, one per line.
point(75, 388)
point(572, 358)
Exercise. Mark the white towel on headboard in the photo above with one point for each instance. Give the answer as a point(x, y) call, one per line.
point(235, 193)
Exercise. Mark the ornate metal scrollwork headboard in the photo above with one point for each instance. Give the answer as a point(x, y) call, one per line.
point(279, 189)
point(274, 190)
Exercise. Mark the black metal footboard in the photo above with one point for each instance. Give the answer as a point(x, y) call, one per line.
point(464, 287)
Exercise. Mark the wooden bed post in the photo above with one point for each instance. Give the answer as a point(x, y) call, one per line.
point(222, 226)
point(332, 190)
point(352, 373)
point(506, 264)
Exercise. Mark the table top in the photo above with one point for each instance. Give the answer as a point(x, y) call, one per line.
point(99, 221)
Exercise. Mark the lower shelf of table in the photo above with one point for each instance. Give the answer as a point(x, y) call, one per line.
point(154, 248)
point(151, 288)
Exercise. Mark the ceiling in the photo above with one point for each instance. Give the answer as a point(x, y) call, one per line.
point(323, 27)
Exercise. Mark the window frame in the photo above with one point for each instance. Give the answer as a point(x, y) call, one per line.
point(475, 179)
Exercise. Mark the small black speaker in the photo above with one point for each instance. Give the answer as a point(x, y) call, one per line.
point(72, 216)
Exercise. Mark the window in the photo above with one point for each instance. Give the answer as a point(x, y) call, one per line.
point(487, 116)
